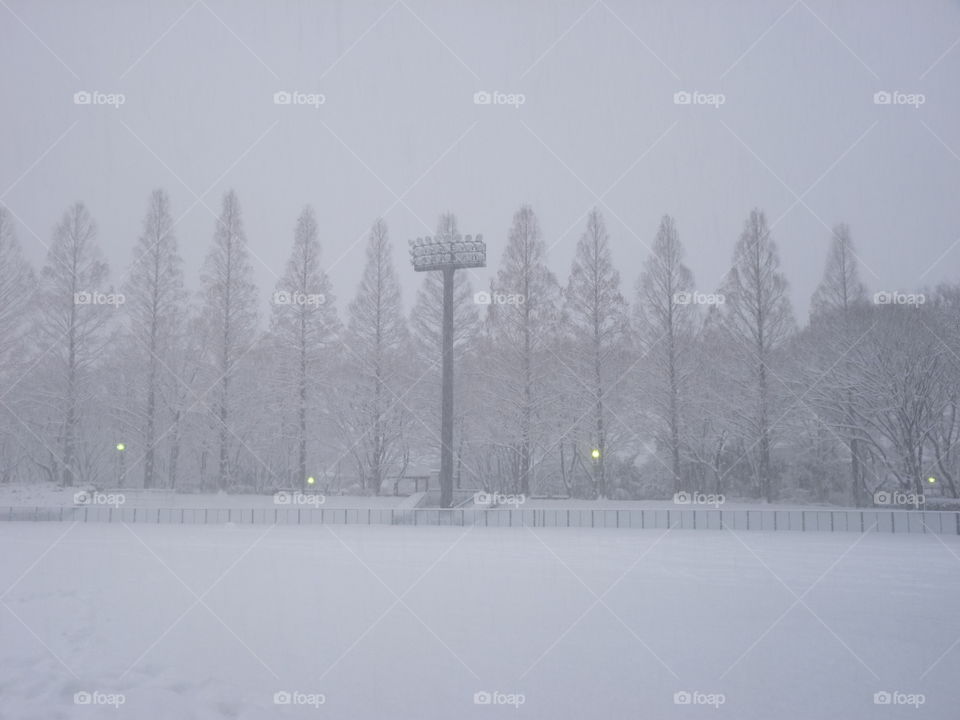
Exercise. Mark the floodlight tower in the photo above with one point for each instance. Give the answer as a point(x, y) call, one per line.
point(447, 253)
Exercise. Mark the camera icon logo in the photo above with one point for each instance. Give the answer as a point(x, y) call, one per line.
point(482, 97)
point(82, 98)
point(482, 298)
point(282, 97)
point(682, 97)
point(682, 697)
point(881, 497)
point(282, 697)
point(882, 97)
point(882, 698)
point(281, 498)
point(81, 498)
point(482, 698)
point(82, 698)
point(682, 498)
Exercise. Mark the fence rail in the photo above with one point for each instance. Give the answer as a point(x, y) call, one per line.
point(886, 521)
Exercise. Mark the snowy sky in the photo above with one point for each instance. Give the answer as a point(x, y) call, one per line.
point(399, 134)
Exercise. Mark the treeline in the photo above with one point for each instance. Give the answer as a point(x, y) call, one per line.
point(581, 387)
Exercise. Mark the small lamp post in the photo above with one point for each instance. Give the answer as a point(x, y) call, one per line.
point(121, 465)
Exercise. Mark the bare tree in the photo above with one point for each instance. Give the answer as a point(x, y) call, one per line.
point(72, 319)
point(759, 316)
point(666, 320)
point(17, 294)
point(17, 288)
point(839, 293)
point(521, 320)
point(378, 337)
point(155, 303)
point(230, 307)
point(597, 326)
point(304, 325)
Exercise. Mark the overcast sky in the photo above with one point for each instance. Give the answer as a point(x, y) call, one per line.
point(399, 134)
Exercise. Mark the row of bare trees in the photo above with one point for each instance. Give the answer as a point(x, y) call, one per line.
point(574, 388)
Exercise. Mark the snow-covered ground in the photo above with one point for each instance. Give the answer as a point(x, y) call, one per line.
point(400, 622)
point(47, 495)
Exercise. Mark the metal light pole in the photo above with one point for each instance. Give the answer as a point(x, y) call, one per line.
point(121, 465)
point(447, 253)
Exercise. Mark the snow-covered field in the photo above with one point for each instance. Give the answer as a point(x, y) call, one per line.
point(52, 496)
point(47, 495)
point(400, 622)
